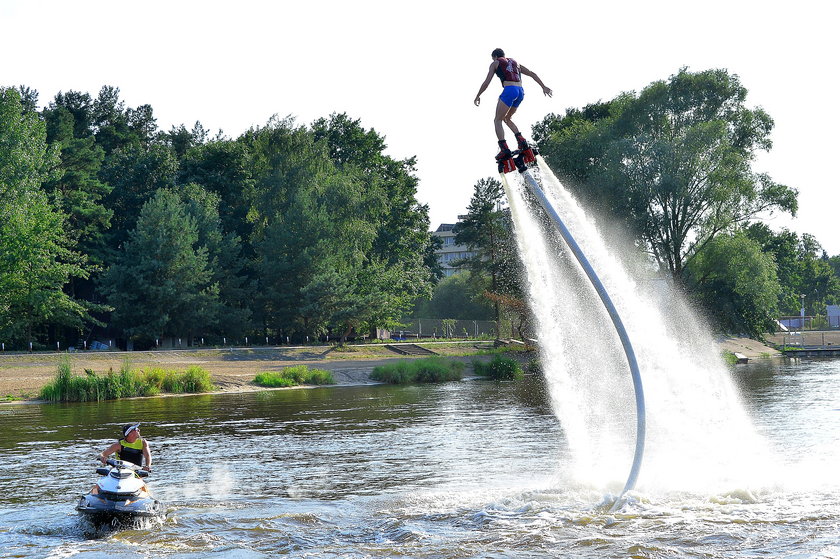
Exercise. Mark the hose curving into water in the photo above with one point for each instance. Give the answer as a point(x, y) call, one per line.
point(616, 319)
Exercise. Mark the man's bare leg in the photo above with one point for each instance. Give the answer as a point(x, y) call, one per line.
point(503, 114)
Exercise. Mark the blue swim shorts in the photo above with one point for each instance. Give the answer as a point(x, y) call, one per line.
point(512, 95)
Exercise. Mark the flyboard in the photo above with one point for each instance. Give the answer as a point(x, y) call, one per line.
point(523, 160)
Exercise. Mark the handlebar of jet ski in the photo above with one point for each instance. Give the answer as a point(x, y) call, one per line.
point(127, 465)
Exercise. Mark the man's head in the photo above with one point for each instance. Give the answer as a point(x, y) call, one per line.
point(498, 53)
point(131, 431)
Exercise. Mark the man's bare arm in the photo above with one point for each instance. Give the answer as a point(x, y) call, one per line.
point(487, 81)
point(147, 454)
point(536, 78)
point(108, 452)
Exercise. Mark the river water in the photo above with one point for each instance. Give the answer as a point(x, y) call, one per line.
point(466, 469)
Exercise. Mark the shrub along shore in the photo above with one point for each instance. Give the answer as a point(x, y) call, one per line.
point(125, 383)
point(106, 375)
point(294, 376)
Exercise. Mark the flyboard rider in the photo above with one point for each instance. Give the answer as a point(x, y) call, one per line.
point(510, 73)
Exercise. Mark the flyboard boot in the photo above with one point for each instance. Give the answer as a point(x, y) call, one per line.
point(527, 153)
point(525, 156)
point(505, 158)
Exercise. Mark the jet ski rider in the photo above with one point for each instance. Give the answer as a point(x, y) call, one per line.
point(131, 448)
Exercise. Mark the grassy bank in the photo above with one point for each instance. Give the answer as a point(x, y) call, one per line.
point(125, 383)
point(499, 368)
point(294, 376)
point(430, 369)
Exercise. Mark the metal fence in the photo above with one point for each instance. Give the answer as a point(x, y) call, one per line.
point(798, 323)
point(806, 339)
point(446, 328)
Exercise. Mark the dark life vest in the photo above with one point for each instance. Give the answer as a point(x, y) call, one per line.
point(508, 70)
point(131, 452)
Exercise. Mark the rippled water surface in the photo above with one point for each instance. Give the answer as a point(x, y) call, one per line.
point(468, 469)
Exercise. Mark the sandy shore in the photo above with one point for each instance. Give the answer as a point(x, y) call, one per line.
point(22, 375)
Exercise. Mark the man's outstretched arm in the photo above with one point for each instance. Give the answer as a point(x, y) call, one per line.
point(536, 78)
point(487, 80)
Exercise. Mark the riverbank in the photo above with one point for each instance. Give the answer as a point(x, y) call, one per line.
point(749, 348)
point(22, 375)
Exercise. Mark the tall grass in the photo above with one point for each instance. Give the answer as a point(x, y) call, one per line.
point(125, 383)
point(293, 376)
point(499, 368)
point(429, 369)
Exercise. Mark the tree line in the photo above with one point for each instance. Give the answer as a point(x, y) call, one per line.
point(112, 227)
point(671, 168)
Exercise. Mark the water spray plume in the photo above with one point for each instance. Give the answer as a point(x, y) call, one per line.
point(616, 320)
point(690, 424)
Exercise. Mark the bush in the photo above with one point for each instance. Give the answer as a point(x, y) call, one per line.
point(293, 376)
point(430, 369)
point(499, 368)
point(126, 383)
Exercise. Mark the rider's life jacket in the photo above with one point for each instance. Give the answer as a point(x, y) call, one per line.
point(131, 452)
point(508, 70)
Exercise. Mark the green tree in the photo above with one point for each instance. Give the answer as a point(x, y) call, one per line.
point(224, 167)
point(135, 173)
point(673, 163)
point(460, 297)
point(224, 259)
point(487, 230)
point(182, 140)
point(337, 244)
point(78, 191)
point(736, 284)
point(834, 262)
point(80, 107)
point(117, 127)
point(36, 255)
point(803, 269)
point(161, 283)
point(403, 246)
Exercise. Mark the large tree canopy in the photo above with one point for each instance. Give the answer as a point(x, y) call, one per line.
point(37, 256)
point(161, 283)
point(672, 163)
point(736, 284)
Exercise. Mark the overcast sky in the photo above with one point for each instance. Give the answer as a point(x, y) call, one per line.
point(410, 70)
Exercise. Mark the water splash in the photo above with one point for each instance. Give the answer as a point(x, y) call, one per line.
point(699, 436)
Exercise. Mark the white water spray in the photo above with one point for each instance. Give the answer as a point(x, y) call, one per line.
point(699, 436)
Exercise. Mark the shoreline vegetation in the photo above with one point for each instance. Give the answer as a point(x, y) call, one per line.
point(233, 369)
point(423, 370)
point(294, 376)
point(230, 369)
point(125, 383)
point(499, 368)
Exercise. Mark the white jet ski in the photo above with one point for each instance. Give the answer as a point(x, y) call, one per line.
point(119, 495)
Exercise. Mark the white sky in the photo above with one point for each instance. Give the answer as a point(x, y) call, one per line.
point(410, 70)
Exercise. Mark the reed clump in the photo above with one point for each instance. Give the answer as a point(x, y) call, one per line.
point(293, 376)
point(499, 368)
point(125, 383)
point(426, 370)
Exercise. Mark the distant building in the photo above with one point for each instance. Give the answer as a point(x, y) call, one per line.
point(833, 314)
point(450, 252)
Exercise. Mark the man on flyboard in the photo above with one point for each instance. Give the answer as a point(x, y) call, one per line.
point(510, 73)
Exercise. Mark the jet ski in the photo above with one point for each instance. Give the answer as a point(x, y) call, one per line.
point(119, 495)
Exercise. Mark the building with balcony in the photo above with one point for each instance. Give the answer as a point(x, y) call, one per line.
point(450, 252)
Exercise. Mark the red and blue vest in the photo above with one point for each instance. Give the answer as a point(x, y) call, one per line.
point(508, 70)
